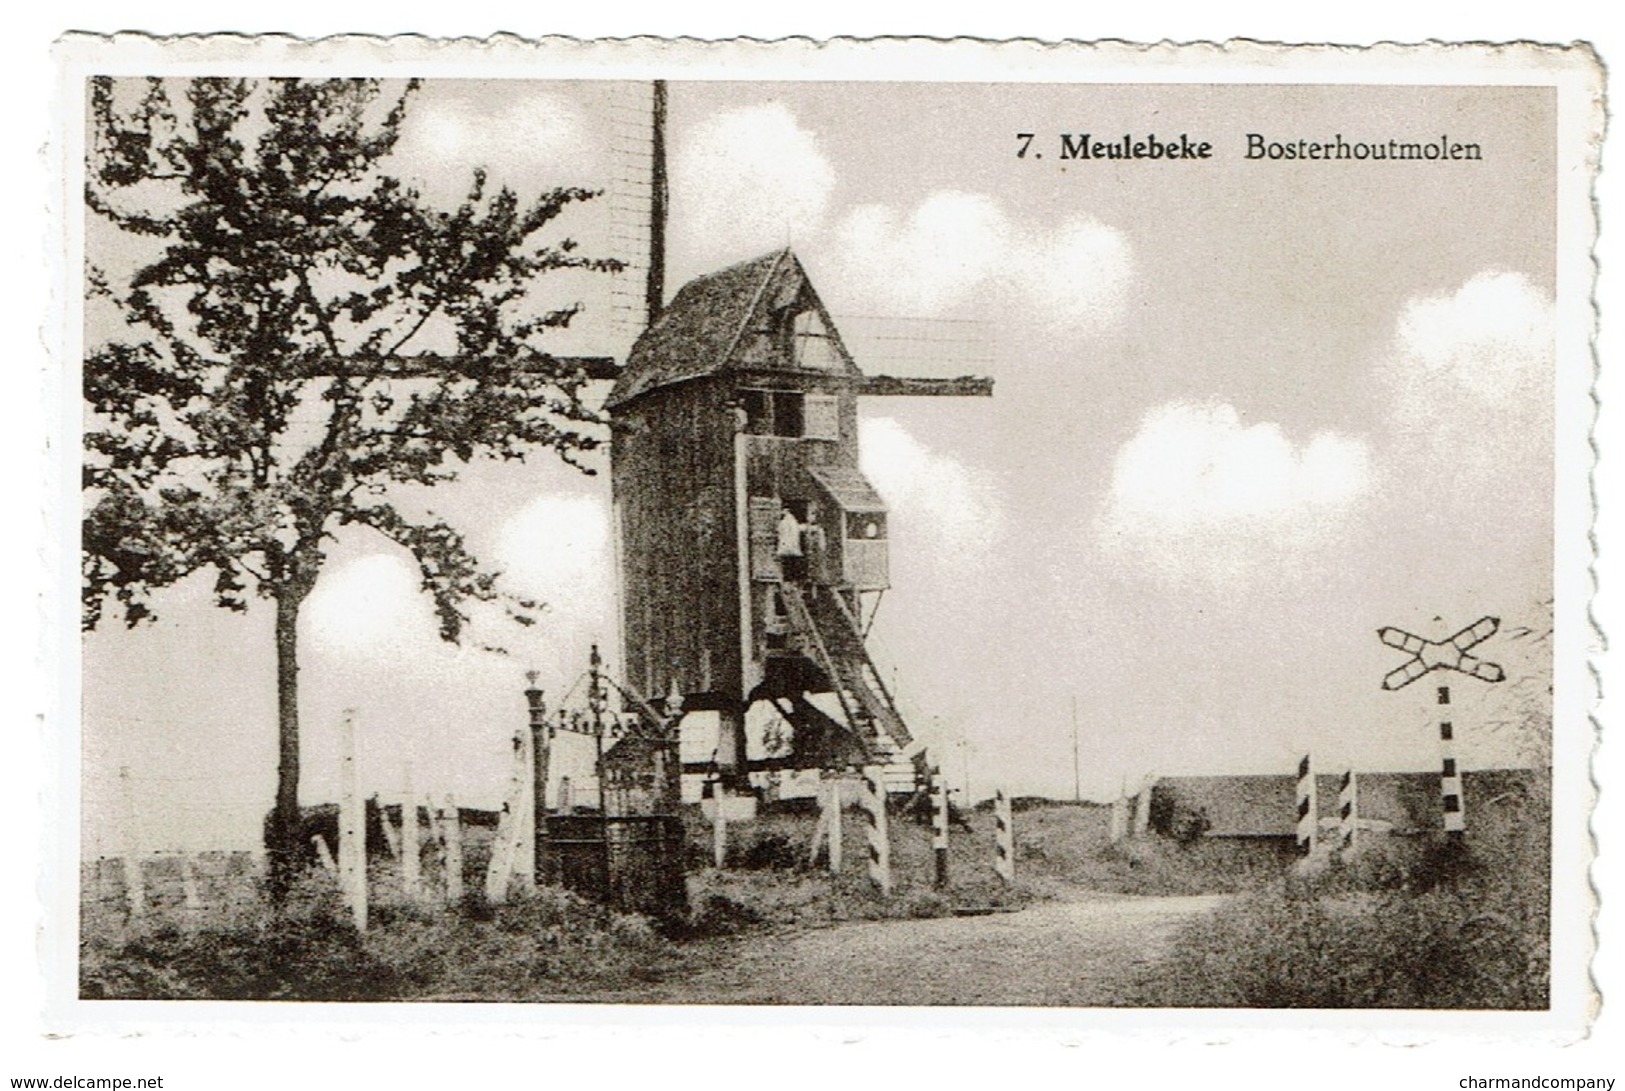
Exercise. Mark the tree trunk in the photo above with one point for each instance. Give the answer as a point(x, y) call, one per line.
point(282, 841)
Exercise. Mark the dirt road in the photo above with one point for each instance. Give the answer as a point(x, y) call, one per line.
point(1089, 950)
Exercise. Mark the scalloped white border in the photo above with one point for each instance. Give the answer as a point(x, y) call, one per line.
point(1572, 72)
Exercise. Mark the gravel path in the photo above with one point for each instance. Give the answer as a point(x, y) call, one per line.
point(1095, 950)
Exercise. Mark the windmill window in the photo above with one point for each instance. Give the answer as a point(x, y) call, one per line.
point(821, 417)
point(774, 413)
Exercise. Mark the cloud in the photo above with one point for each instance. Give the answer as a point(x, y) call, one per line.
point(1470, 373)
point(370, 606)
point(925, 261)
point(957, 511)
point(557, 549)
point(522, 142)
point(1195, 492)
point(745, 181)
point(955, 247)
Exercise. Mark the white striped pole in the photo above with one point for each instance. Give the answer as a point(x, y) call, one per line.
point(1348, 810)
point(1004, 841)
point(1450, 794)
point(874, 807)
point(1308, 806)
point(939, 827)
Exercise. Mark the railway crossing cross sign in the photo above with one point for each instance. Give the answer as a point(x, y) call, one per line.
point(1447, 654)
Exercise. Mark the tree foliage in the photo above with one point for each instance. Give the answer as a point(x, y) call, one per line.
point(271, 294)
point(253, 398)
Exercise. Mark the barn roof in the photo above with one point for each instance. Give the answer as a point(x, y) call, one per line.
point(703, 330)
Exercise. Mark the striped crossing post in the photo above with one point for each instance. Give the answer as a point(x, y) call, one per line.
point(874, 809)
point(1450, 795)
point(1308, 806)
point(1348, 810)
point(939, 827)
point(1004, 855)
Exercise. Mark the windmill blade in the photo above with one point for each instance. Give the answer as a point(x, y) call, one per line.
point(1399, 638)
point(1481, 669)
point(1476, 633)
point(1404, 675)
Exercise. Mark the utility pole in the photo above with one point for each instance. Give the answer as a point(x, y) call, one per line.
point(1077, 777)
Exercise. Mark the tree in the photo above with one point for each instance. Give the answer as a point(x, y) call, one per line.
point(265, 383)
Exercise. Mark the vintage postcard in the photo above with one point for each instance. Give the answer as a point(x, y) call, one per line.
point(1088, 531)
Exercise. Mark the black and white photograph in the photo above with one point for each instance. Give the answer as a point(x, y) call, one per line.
point(641, 527)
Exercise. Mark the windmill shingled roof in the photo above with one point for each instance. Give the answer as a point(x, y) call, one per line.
point(699, 331)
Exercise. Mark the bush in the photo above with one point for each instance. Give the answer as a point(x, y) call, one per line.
point(1432, 923)
point(552, 944)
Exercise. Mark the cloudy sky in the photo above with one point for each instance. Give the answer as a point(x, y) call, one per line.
point(1245, 414)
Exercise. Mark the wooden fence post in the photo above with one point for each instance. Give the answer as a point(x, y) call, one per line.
point(719, 828)
point(524, 849)
point(324, 855)
point(411, 851)
point(1142, 811)
point(449, 822)
point(135, 879)
point(939, 827)
point(505, 845)
point(837, 841)
point(1004, 843)
point(352, 826)
point(189, 889)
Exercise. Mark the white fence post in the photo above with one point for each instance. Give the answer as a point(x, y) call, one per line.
point(505, 845)
point(1004, 838)
point(1119, 819)
point(352, 826)
point(1142, 811)
point(135, 879)
point(411, 851)
point(449, 821)
point(874, 806)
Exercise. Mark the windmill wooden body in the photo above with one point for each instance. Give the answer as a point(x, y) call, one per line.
point(748, 536)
